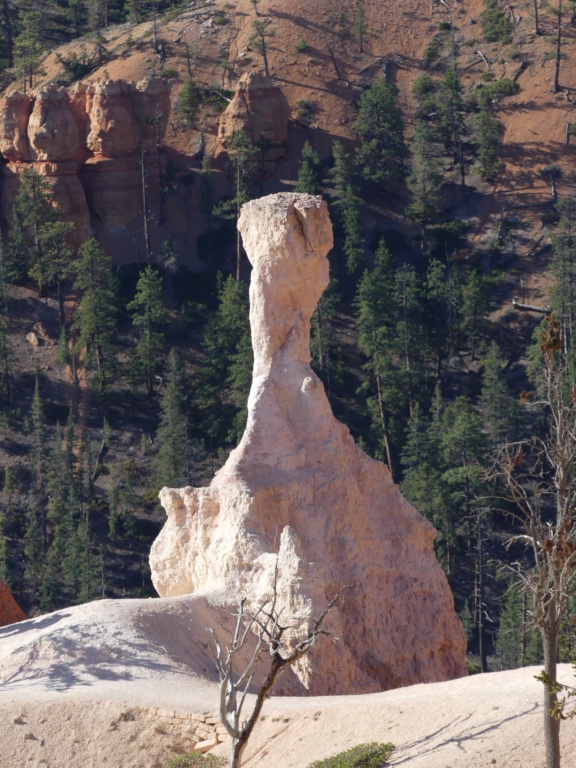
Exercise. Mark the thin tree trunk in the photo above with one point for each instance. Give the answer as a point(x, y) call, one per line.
point(154, 36)
point(481, 632)
point(536, 25)
point(334, 63)
point(524, 643)
point(6, 370)
point(320, 352)
point(264, 56)
point(558, 49)
point(145, 205)
point(551, 724)
point(61, 314)
point(383, 422)
point(238, 242)
point(159, 161)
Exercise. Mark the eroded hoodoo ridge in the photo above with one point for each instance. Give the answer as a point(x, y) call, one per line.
point(297, 485)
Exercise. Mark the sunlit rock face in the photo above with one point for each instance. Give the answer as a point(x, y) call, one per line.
point(87, 143)
point(261, 110)
point(298, 491)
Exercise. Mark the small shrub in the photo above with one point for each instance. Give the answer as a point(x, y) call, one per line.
point(305, 111)
point(472, 667)
point(169, 74)
point(301, 46)
point(372, 755)
point(194, 760)
point(221, 20)
point(422, 86)
point(444, 26)
point(487, 77)
point(189, 101)
point(77, 66)
point(496, 28)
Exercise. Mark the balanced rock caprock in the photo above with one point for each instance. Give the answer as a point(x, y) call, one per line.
point(297, 490)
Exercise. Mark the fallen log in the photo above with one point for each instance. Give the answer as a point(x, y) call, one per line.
point(531, 308)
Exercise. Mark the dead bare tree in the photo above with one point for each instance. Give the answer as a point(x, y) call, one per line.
point(273, 638)
point(540, 475)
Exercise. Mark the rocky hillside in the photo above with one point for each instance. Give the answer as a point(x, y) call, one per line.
point(316, 58)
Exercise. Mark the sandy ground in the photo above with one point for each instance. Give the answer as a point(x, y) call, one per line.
point(68, 680)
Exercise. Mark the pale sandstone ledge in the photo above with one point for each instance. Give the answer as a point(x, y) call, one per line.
point(297, 485)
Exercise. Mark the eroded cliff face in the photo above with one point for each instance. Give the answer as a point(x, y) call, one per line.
point(297, 488)
point(87, 143)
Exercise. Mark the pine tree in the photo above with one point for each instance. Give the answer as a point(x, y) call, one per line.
point(31, 211)
point(486, 132)
point(224, 343)
point(149, 315)
point(376, 318)
point(475, 306)
point(425, 177)
point(309, 172)
point(410, 333)
point(563, 267)
point(339, 174)
point(353, 239)
point(380, 127)
point(451, 115)
point(359, 26)
point(5, 361)
point(498, 406)
point(423, 484)
point(54, 265)
point(465, 450)
point(437, 311)
point(95, 321)
point(173, 458)
point(189, 102)
point(325, 351)
point(511, 637)
point(259, 40)
point(28, 47)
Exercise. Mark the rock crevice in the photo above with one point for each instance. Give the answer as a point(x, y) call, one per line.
point(299, 490)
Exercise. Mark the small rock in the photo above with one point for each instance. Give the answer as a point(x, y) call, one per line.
point(32, 339)
point(206, 746)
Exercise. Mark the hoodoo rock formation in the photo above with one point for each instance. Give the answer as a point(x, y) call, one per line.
point(297, 490)
point(260, 109)
point(87, 143)
point(10, 611)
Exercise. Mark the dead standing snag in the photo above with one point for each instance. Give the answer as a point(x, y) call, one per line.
point(271, 632)
point(540, 475)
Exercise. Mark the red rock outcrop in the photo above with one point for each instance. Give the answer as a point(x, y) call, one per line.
point(259, 108)
point(14, 115)
point(297, 490)
point(87, 143)
point(10, 611)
